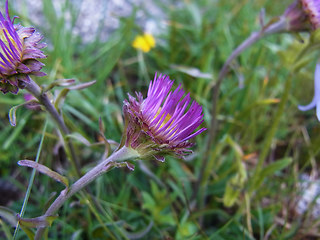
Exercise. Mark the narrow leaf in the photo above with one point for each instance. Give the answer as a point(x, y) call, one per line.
point(77, 235)
point(60, 83)
point(28, 232)
point(235, 146)
point(38, 222)
point(275, 166)
point(12, 116)
point(5, 229)
point(82, 85)
point(61, 97)
point(80, 138)
point(270, 170)
point(50, 200)
point(12, 112)
point(45, 170)
point(106, 142)
point(193, 72)
point(234, 187)
point(140, 234)
point(8, 215)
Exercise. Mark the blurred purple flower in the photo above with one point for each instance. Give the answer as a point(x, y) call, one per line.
point(303, 15)
point(297, 19)
point(162, 123)
point(19, 48)
point(312, 8)
point(316, 98)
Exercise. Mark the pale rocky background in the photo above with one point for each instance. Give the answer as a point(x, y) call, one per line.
point(93, 13)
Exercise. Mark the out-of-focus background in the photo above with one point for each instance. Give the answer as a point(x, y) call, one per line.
point(92, 40)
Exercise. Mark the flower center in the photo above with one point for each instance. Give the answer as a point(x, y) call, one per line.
point(7, 45)
point(167, 118)
point(159, 129)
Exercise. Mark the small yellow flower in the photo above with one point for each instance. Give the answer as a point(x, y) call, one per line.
point(144, 42)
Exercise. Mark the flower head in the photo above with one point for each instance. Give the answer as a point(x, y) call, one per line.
point(144, 42)
point(312, 8)
point(296, 17)
point(19, 49)
point(162, 123)
point(316, 98)
point(303, 15)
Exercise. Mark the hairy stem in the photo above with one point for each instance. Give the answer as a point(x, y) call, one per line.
point(121, 155)
point(42, 97)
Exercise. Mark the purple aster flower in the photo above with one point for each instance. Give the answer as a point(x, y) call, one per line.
point(312, 8)
point(162, 123)
point(316, 98)
point(297, 19)
point(303, 15)
point(19, 49)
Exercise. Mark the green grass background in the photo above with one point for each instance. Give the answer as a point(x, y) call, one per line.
point(132, 205)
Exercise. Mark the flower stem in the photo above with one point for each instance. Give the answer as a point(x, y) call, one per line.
point(42, 97)
point(121, 155)
point(276, 27)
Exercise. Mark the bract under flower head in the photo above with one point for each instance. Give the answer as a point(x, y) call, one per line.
point(312, 8)
point(162, 123)
point(19, 49)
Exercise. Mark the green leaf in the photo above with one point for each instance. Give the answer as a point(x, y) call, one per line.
point(235, 146)
point(61, 97)
point(275, 166)
point(12, 116)
point(13, 110)
point(149, 202)
point(61, 83)
point(233, 190)
point(82, 85)
point(77, 136)
point(28, 232)
point(191, 71)
point(270, 170)
point(186, 230)
point(77, 235)
point(5, 229)
point(140, 234)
